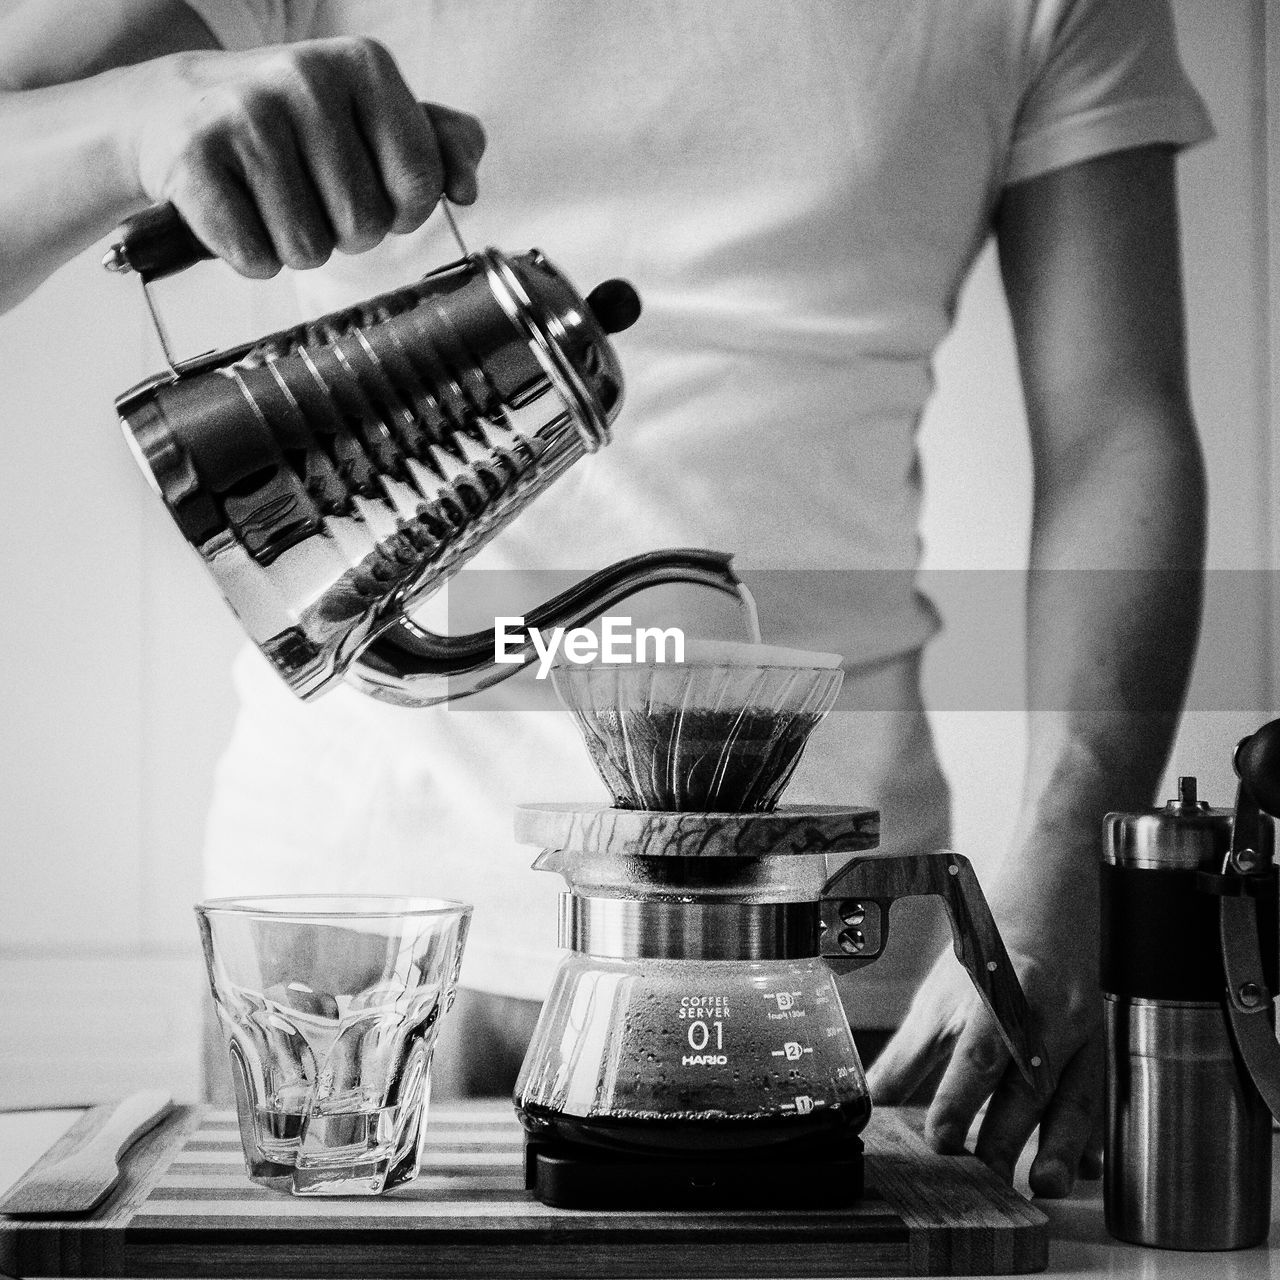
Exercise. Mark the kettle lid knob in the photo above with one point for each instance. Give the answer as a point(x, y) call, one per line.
point(615, 305)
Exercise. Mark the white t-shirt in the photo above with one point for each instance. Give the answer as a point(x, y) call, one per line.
point(797, 191)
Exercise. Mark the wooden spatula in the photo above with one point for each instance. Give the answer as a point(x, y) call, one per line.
point(83, 1178)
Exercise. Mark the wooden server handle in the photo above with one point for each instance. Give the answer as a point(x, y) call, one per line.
point(880, 879)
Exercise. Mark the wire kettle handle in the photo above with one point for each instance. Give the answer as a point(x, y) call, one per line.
point(157, 242)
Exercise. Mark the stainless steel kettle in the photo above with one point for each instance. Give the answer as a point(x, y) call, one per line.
point(333, 475)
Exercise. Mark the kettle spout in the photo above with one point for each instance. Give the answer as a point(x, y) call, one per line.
point(410, 666)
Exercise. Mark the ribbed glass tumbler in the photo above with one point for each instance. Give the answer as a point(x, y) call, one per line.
point(330, 1007)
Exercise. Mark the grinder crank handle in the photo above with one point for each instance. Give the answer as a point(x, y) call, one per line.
point(1247, 912)
point(882, 879)
point(155, 243)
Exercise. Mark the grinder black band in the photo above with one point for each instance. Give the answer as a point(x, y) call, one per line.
point(1160, 934)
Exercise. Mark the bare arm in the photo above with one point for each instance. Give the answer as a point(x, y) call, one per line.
point(274, 156)
point(1092, 272)
point(66, 114)
point(1089, 256)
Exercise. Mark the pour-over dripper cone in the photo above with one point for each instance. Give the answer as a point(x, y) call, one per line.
point(721, 731)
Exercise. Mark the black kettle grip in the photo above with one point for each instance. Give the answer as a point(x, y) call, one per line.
point(157, 242)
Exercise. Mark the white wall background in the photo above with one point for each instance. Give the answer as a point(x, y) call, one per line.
point(114, 691)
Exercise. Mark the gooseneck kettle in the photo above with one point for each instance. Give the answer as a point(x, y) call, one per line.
point(333, 475)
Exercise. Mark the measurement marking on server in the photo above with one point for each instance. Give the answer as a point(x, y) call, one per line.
point(802, 1104)
point(791, 1051)
point(786, 1005)
point(783, 999)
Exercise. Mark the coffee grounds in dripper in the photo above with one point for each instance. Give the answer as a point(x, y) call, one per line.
point(726, 761)
point(720, 733)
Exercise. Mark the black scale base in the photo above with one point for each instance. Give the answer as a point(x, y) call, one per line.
point(569, 1176)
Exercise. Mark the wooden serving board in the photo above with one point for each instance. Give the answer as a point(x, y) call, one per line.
point(184, 1207)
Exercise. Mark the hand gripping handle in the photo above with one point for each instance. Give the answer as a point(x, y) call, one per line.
point(157, 242)
point(878, 880)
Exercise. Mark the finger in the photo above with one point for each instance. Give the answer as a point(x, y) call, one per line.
point(314, 95)
point(1067, 1123)
point(461, 140)
point(401, 137)
point(225, 218)
point(978, 1063)
point(288, 204)
point(914, 1052)
point(1012, 1115)
point(344, 171)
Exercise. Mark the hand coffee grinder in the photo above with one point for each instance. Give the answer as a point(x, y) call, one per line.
point(1189, 975)
point(693, 1050)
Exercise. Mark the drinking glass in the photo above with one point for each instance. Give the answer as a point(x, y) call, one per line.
point(330, 1007)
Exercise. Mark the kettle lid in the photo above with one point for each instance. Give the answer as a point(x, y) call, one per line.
point(570, 336)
